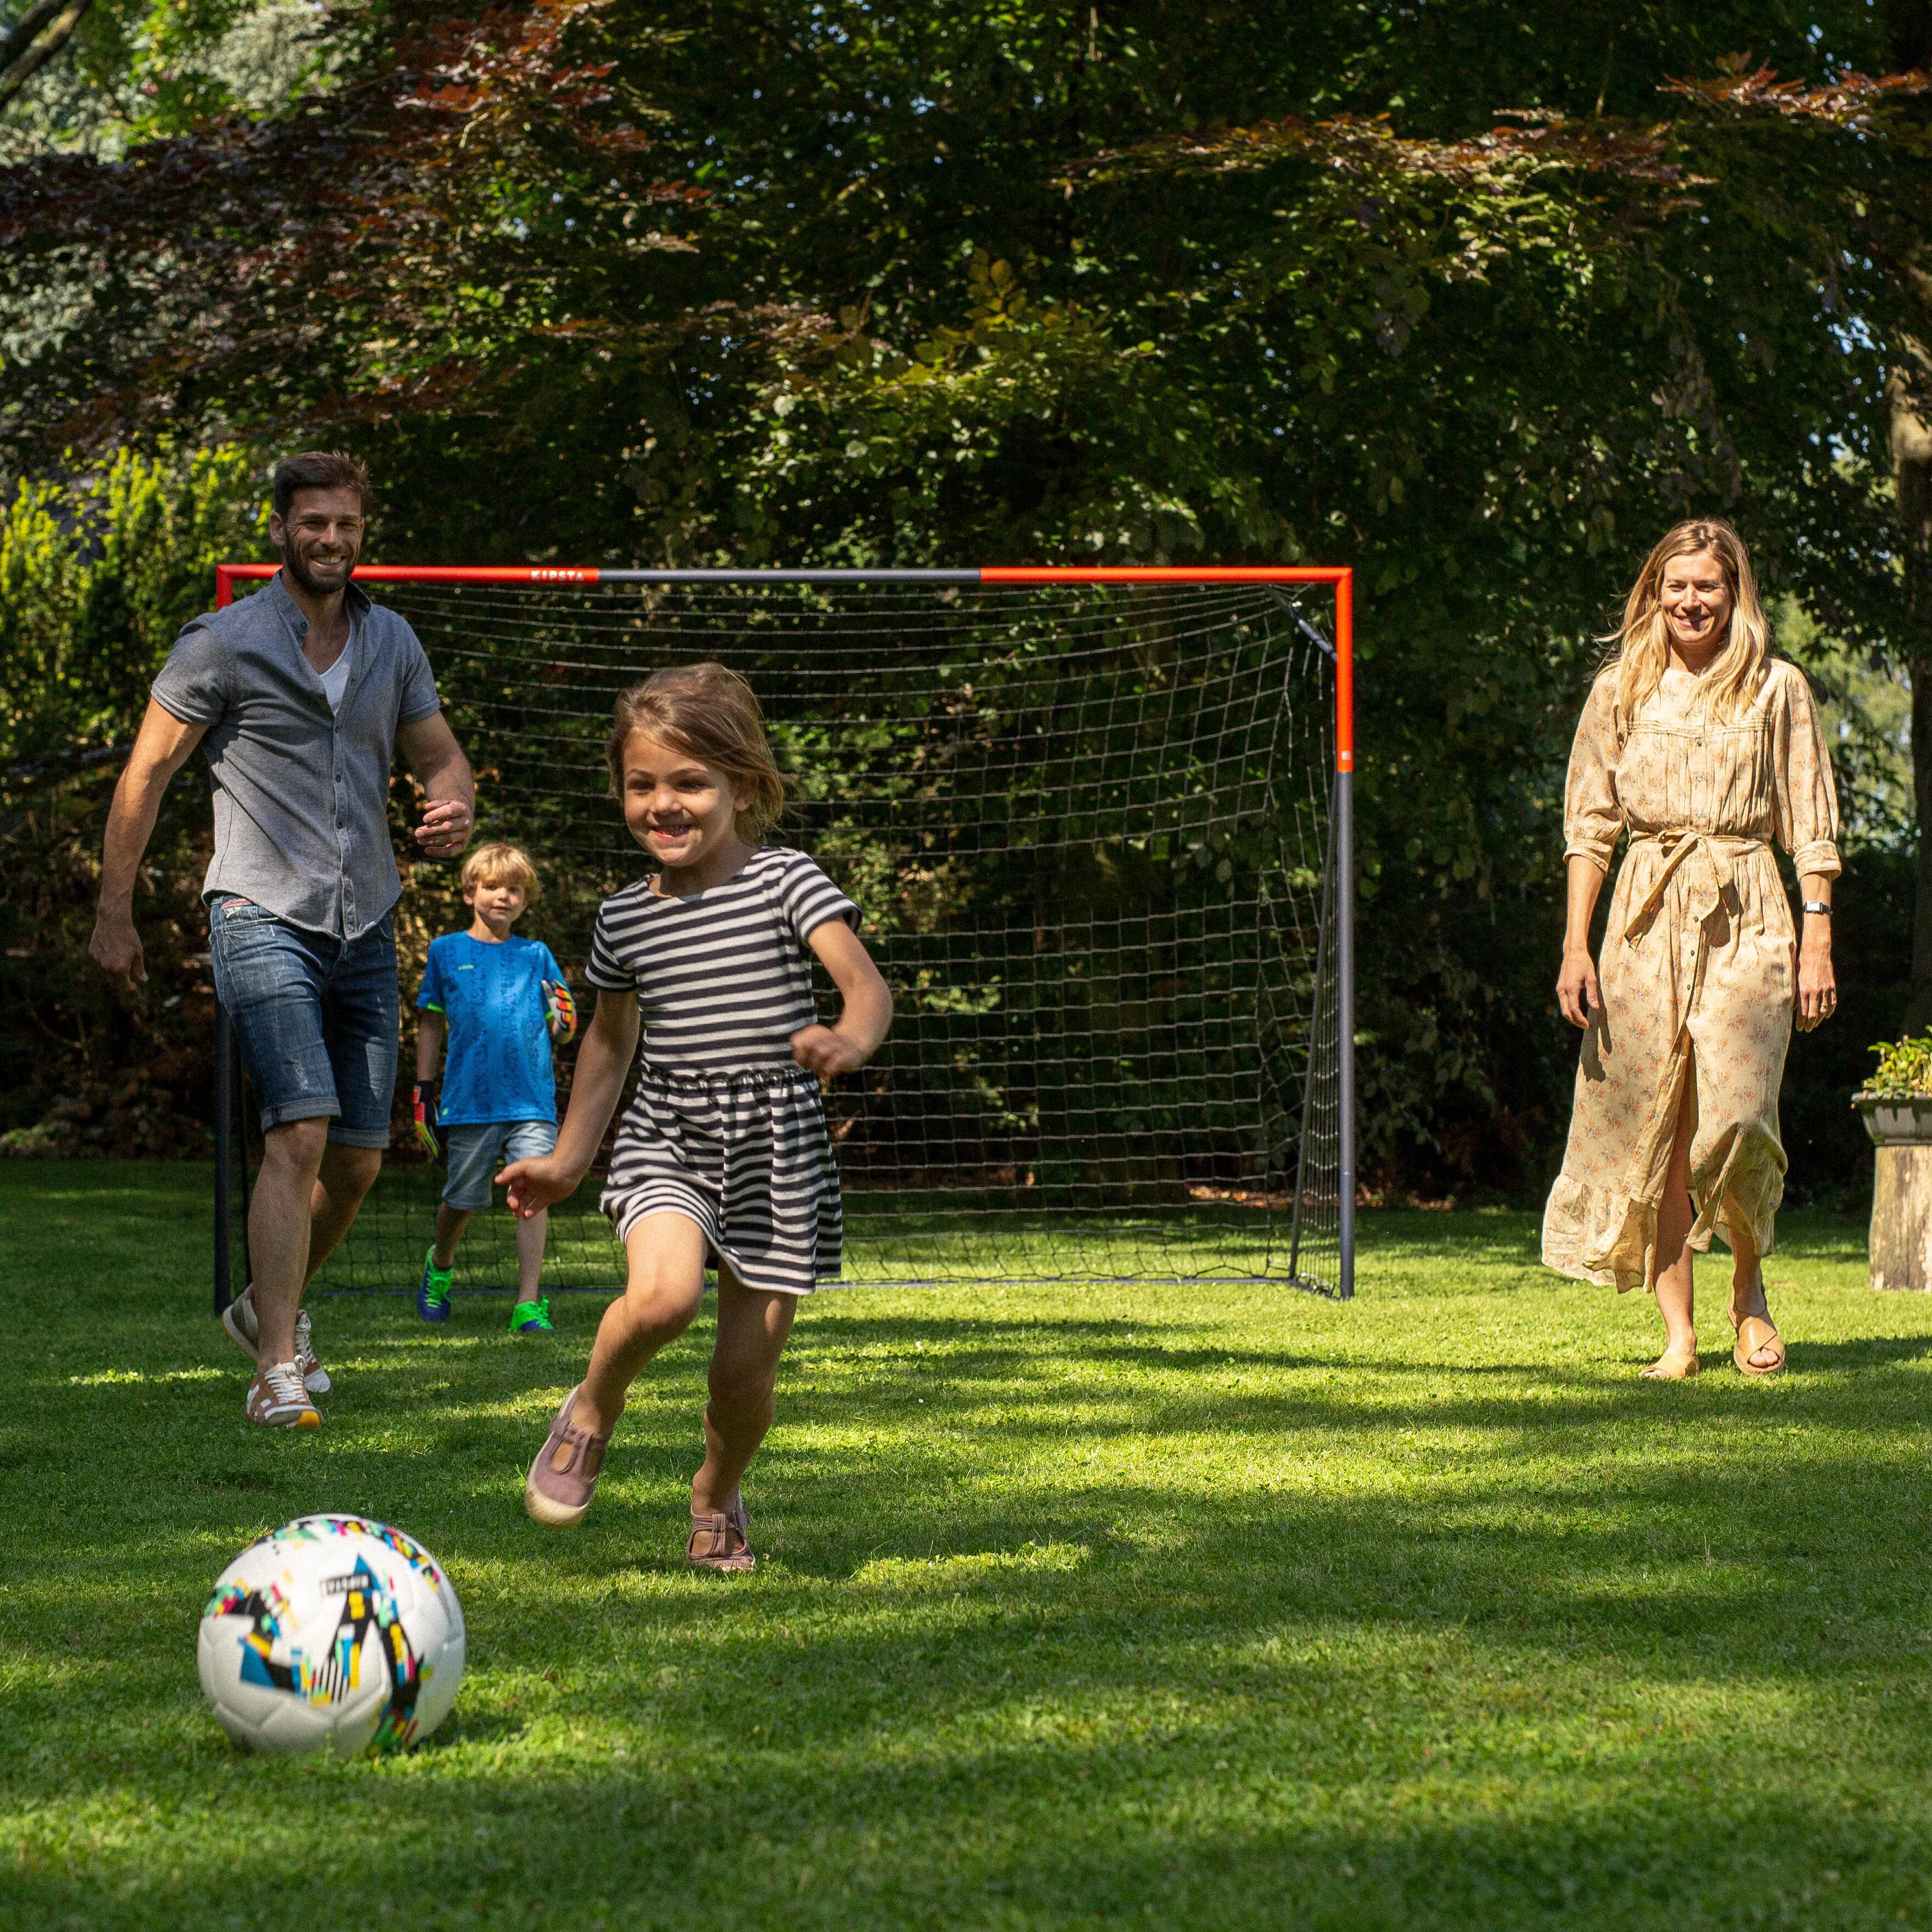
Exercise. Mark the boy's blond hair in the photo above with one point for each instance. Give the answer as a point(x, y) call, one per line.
point(498, 864)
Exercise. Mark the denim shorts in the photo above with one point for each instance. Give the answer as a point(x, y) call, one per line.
point(316, 1015)
point(477, 1151)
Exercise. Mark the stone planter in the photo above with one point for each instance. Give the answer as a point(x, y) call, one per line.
point(1901, 1222)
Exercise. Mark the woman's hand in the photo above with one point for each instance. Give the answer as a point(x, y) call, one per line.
point(1577, 991)
point(1817, 984)
point(537, 1184)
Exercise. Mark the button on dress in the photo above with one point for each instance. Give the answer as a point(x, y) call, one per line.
point(1698, 968)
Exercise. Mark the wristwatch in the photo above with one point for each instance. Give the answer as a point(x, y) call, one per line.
point(1822, 907)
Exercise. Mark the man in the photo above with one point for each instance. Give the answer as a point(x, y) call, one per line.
point(299, 694)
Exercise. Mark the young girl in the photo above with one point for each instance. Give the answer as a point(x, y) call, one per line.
point(724, 1151)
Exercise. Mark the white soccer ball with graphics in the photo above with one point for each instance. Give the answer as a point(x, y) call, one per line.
point(334, 1634)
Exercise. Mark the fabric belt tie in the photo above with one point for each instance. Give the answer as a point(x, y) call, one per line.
point(1709, 856)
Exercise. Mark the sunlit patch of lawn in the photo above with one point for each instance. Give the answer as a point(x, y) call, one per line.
point(1184, 1605)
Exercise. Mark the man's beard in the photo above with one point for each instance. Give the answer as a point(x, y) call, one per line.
point(304, 581)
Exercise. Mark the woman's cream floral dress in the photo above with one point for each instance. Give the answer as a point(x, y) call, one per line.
point(1698, 966)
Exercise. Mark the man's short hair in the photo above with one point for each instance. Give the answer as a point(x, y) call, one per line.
point(498, 864)
point(319, 469)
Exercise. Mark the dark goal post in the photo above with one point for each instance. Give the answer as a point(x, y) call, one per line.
point(1336, 950)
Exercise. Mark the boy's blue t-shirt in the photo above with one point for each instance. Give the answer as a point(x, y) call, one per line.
point(496, 1063)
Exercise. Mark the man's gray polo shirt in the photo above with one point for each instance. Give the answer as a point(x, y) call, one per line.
point(301, 792)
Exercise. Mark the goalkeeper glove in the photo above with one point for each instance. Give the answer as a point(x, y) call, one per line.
point(430, 1134)
point(559, 1012)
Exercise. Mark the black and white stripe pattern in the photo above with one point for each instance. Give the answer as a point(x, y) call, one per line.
point(747, 1157)
point(725, 1128)
point(723, 978)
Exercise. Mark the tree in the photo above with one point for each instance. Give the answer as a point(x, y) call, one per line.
point(840, 282)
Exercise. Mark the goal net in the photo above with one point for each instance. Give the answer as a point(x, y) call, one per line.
point(1098, 833)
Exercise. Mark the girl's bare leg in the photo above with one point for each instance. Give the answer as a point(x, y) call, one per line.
point(1674, 1300)
point(665, 1286)
point(753, 1325)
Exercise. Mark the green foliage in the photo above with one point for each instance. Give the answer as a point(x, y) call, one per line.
point(1904, 1069)
point(96, 578)
point(139, 70)
point(1475, 299)
point(97, 574)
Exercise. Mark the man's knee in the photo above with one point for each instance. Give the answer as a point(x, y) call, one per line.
point(349, 1172)
point(296, 1147)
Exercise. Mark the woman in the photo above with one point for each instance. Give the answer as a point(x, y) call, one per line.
point(1705, 750)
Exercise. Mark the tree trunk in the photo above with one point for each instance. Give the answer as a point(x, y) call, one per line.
point(1909, 400)
point(33, 40)
point(1908, 28)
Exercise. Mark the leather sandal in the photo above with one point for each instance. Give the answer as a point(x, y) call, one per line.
point(563, 1478)
point(1757, 1332)
point(720, 1539)
point(1674, 1365)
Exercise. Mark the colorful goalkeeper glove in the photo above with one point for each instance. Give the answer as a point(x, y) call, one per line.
point(559, 1012)
point(430, 1136)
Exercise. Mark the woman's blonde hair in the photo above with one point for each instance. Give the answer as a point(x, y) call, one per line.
point(710, 714)
point(1733, 680)
point(498, 864)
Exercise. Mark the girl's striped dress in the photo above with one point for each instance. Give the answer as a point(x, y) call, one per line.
point(726, 1128)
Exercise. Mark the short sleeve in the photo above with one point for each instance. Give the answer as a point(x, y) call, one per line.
point(419, 695)
point(606, 971)
point(808, 899)
point(1592, 817)
point(1804, 799)
point(193, 683)
point(551, 970)
point(431, 999)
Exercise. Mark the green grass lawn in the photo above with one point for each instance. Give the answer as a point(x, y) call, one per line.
point(1170, 1605)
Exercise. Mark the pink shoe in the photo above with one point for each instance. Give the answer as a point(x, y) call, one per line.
point(720, 1541)
point(563, 1478)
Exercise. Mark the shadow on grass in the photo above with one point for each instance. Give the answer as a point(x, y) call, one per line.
point(1095, 1635)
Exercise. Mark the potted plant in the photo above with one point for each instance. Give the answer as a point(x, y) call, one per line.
point(1896, 1103)
point(1896, 1106)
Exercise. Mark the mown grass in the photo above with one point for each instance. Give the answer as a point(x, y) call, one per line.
point(1184, 1606)
point(901, 1239)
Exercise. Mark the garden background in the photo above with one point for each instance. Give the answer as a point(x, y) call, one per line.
point(1477, 300)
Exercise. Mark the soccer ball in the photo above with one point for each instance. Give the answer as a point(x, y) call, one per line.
point(335, 1633)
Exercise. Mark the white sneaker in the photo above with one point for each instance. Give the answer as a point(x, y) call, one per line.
point(239, 1321)
point(315, 1377)
point(277, 1400)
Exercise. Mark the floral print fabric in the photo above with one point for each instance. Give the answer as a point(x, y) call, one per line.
point(1698, 968)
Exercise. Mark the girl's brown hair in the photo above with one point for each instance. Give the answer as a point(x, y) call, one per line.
point(710, 714)
point(1734, 677)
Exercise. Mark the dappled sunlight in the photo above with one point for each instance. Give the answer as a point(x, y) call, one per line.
point(1141, 1592)
point(963, 1572)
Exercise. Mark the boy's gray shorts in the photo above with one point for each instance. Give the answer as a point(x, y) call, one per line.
point(476, 1153)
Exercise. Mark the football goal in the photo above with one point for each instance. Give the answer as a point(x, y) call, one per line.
point(1098, 823)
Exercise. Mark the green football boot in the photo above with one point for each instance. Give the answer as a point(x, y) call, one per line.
point(432, 1291)
point(531, 1318)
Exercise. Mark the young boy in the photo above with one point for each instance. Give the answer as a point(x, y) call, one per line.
point(500, 999)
